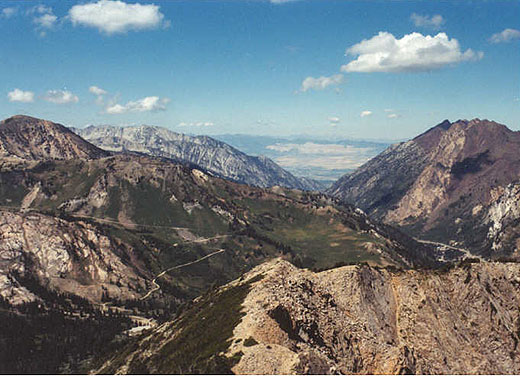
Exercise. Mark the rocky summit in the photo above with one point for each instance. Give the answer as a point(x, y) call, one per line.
point(278, 319)
point(29, 138)
point(454, 183)
point(212, 155)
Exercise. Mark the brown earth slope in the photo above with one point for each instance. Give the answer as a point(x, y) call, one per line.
point(445, 185)
point(30, 138)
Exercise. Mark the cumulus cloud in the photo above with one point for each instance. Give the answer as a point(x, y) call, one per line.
point(147, 104)
point(18, 95)
point(99, 93)
point(60, 97)
point(505, 36)
point(433, 22)
point(320, 83)
point(8, 12)
point(365, 113)
point(393, 116)
point(412, 53)
point(197, 124)
point(43, 18)
point(96, 90)
point(113, 17)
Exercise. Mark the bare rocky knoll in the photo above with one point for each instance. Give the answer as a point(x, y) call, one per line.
point(278, 319)
point(30, 138)
point(212, 155)
point(455, 183)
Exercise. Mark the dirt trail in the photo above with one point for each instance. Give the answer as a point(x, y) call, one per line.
point(466, 253)
point(156, 285)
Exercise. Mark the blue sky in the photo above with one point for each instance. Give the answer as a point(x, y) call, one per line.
point(262, 67)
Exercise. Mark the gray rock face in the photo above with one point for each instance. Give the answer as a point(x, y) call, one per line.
point(71, 257)
point(206, 152)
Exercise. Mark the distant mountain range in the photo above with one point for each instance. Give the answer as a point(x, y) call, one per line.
point(457, 181)
point(212, 155)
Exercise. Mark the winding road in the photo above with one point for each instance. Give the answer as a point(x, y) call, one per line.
point(466, 253)
point(156, 285)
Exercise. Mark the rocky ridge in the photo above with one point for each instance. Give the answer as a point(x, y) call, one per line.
point(352, 320)
point(214, 156)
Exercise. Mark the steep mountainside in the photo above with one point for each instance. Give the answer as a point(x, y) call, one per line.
point(93, 246)
point(167, 214)
point(456, 182)
point(278, 319)
point(30, 138)
point(206, 152)
point(149, 214)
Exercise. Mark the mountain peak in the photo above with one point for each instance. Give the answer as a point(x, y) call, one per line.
point(31, 138)
point(210, 154)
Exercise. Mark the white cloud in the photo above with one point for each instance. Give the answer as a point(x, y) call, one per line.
point(8, 12)
point(197, 124)
point(505, 36)
point(147, 104)
point(60, 97)
point(112, 17)
point(365, 113)
point(321, 83)
point(393, 116)
point(412, 53)
point(99, 93)
point(18, 95)
point(43, 18)
point(433, 22)
point(46, 21)
point(96, 90)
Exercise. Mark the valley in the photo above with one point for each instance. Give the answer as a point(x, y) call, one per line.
point(140, 236)
point(259, 187)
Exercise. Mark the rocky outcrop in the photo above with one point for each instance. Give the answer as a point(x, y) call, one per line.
point(29, 138)
point(502, 217)
point(70, 257)
point(357, 320)
point(436, 184)
point(215, 156)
